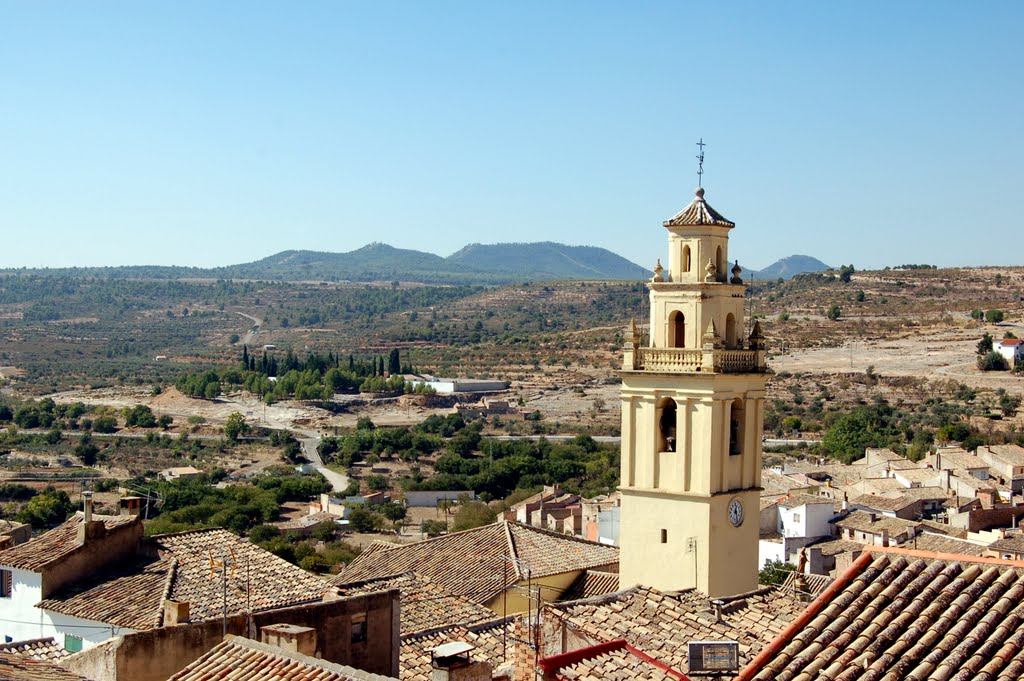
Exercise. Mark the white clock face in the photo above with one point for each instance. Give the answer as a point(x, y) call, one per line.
point(735, 512)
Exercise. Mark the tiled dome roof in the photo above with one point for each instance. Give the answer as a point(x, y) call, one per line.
point(698, 213)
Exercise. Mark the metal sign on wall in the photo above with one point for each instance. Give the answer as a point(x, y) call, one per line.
point(713, 657)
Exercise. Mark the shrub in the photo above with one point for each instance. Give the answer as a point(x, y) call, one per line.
point(993, 361)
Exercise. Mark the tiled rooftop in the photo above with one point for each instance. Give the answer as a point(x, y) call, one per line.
point(861, 522)
point(242, 659)
point(481, 563)
point(698, 213)
point(1013, 543)
point(938, 543)
point(591, 583)
point(621, 661)
point(661, 624)
point(797, 500)
point(129, 595)
point(1011, 454)
point(257, 579)
point(907, 615)
point(14, 667)
point(424, 604)
point(36, 648)
point(55, 545)
point(812, 584)
point(880, 503)
point(186, 567)
point(493, 640)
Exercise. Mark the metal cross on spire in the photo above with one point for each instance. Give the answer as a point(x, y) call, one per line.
point(700, 161)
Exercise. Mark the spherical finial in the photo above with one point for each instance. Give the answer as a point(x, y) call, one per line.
point(699, 192)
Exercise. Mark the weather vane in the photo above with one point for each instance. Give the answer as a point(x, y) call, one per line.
point(700, 161)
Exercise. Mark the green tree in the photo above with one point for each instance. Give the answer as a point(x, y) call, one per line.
point(377, 482)
point(393, 511)
point(235, 427)
point(86, 451)
point(845, 273)
point(47, 509)
point(473, 514)
point(834, 312)
point(977, 315)
point(994, 316)
point(867, 426)
point(859, 296)
point(433, 528)
point(993, 361)
point(985, 344)
point(363, 519)
point(104, 424)
point(774, 573)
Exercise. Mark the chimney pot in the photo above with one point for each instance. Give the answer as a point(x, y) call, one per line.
point(885, 537)
point(176, 612)
point(87, 502)
point(290, 637)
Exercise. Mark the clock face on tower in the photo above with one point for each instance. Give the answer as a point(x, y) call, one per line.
point(736, 512)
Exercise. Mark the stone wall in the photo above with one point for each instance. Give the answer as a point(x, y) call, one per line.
point(158, 654)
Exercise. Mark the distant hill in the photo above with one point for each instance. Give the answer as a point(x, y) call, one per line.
point(473, 264)
point(789, 267)
point(548, 260)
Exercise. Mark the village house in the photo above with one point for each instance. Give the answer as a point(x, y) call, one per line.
point(495, 565)
point(1012, 350)
point(179, 473)
point(799, 520)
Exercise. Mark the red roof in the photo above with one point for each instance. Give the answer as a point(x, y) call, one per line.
point(1011, 341)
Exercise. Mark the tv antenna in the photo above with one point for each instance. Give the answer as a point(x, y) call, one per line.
point(700, 161)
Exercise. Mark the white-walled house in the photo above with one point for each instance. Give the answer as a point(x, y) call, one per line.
point(1012, 349)
point(802, 519)
point(95, 577)
point(32, 572)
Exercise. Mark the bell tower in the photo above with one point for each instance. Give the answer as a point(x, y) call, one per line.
point(692, 420)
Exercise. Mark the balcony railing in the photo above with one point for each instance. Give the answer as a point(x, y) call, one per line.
point(687, 361)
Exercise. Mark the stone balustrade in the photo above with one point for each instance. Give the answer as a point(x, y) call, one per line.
point(685, 360)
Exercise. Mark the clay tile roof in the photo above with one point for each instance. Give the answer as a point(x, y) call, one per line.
point(36, 648)
point(482, 562)
point(797, 500)
point(241, 659)
point(881, 503)
point(698, 213)
point(129, 595)
point(55, 545)
point(591, 583)
point(1013, 543)
point(424, 604)
point(812, 584)
point(834, 547)
point(898, 614)
point(661, 624)
point(938, 543)
point(620, 662)
point(493, 641)
point(17, 668)
point(257, 579)
point(861, 521)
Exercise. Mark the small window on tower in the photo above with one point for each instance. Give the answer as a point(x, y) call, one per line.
point(664, 536)
point(667, 426)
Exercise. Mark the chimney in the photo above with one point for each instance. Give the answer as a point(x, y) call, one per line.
point(938, 460)
point(131, 506)
point(89, 529)
point(873, 516)
point(290, 637)
point(846, 503)
point(451, 662)
point(885, 537)
point(175, 612)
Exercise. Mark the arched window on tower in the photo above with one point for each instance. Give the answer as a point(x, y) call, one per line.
point(666, 414)
point(730, 330)
point(686, 258)
point(720, 264)
point(676, 330)
point(736, 427)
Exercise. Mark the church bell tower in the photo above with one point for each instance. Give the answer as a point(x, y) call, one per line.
point(692, 420)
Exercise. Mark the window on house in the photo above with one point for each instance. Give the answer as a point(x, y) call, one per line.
point(5, 584)
point(358, 628)
point(72, 644)
point(664, 536)
point(796, 517)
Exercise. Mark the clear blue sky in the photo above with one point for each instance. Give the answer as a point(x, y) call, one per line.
point(208, 133)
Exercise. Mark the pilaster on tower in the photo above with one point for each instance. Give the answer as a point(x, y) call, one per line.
point(692, 420)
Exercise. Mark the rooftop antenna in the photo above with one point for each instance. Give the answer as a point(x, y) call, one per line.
point(700, 161)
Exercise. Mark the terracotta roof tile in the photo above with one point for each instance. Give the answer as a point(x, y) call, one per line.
point(493, 640)
point(57, 544)
point(129, 595)
point(241, 659)
point(473, 563)
point(424, 604)
point(661, 624)
point(698, 212)
point(591, 583)
point(621, 663)
point(17, 668)
point(36, 648)
point(257, 579)
point(861, 522)
point(915, 616)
